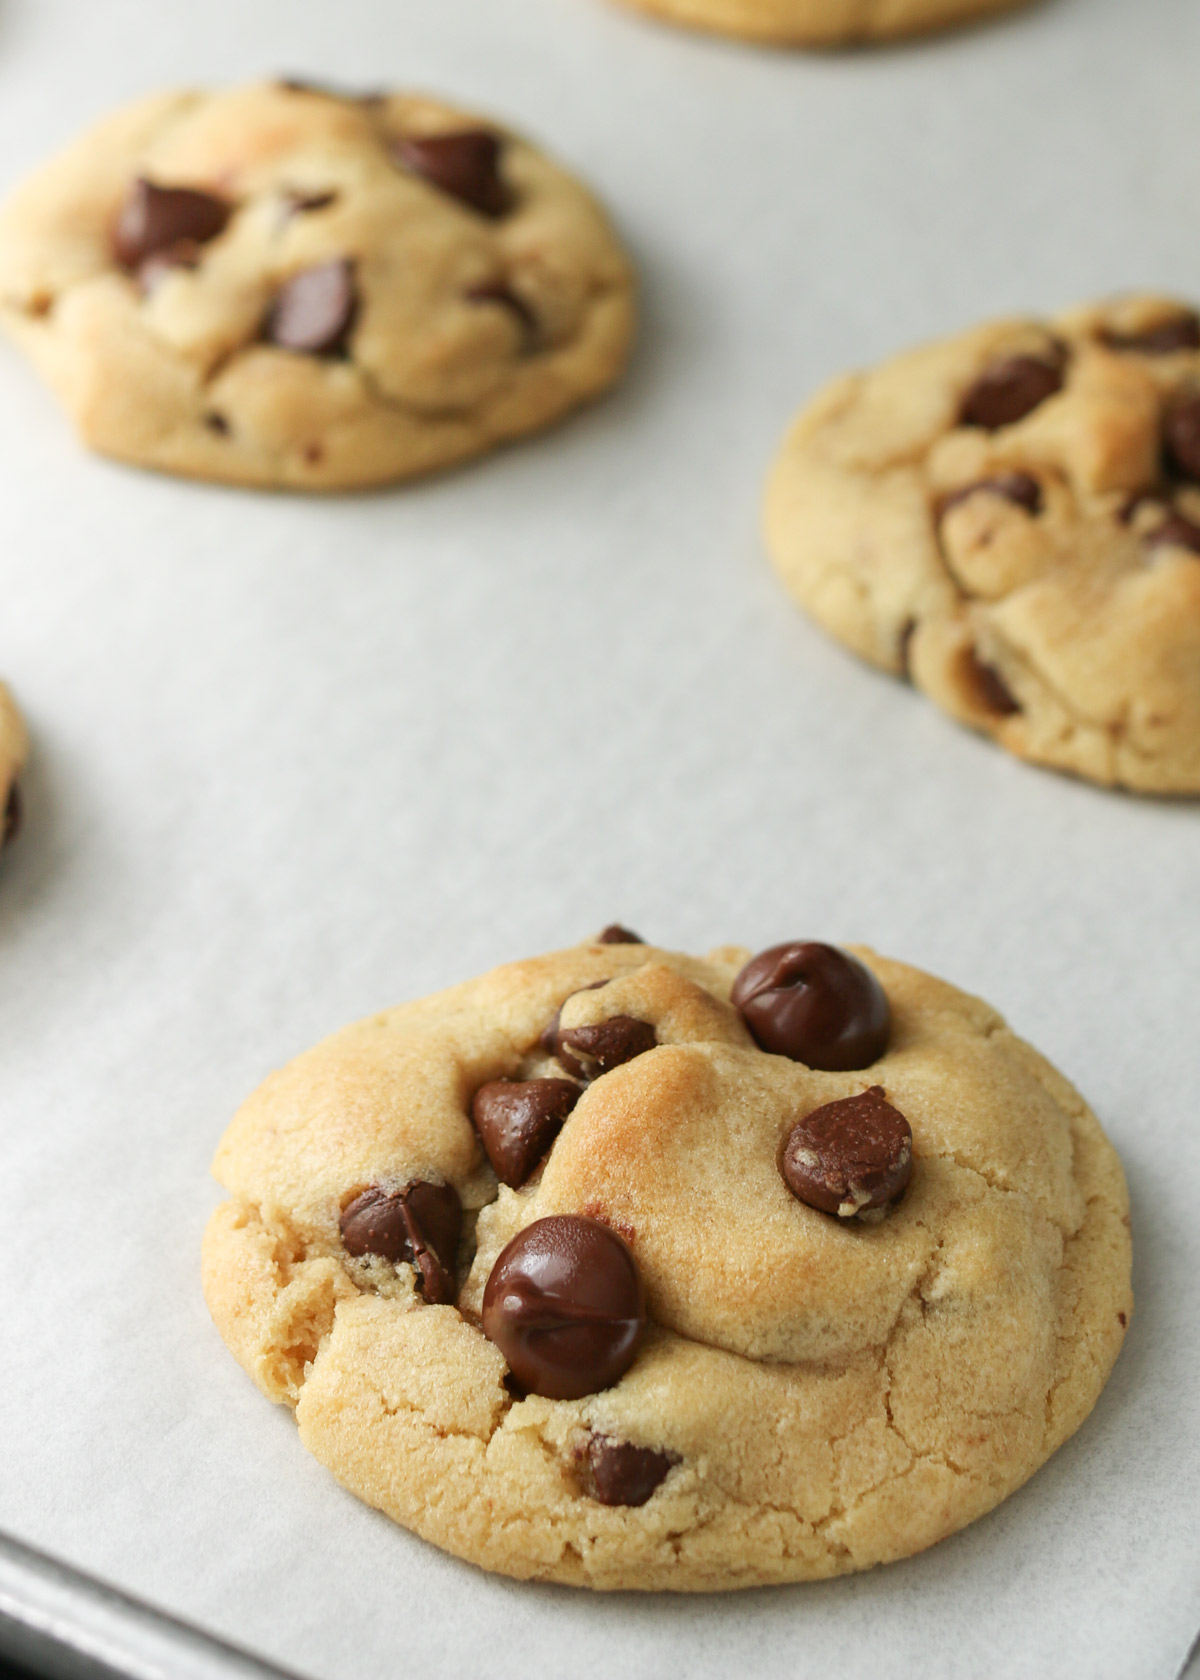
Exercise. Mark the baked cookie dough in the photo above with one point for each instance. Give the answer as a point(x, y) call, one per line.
point(579, 1272)
point(1011, 518)
point(823, 23)
point(14, 749)
point(284, 286)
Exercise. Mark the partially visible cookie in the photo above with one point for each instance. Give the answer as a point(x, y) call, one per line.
point(1012, 519)
point(823, 23)
point(284, 286)
point(628, 1269)
point(14, 749)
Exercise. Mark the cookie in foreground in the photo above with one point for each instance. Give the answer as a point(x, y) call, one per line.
point(284, 286)
point(824, 23)
point(628, 1269)
point(14, 749)
point(1011, 518)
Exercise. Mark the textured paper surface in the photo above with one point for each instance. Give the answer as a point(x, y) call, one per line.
point(298, 760)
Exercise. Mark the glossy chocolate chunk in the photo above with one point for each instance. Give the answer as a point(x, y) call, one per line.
point(1181, 432)
point(1176, 532)
point(815, 1004)
point(623, 1474)
point(849, 1157)
point(421, 1223)
point(466, 165)
point(565, 1306)
point(154, 218)
point(587, 1052)
point(10, 822)
point(615, 934)
point(1020, 488)
point(517, 1121)
point(991, 690)
point(314, 310)
point(1179, 332)
point(1009, 389)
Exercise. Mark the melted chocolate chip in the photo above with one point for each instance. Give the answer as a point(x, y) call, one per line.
point(10, 822)
point(565, 1306)
point(152, 219)
point(421, 1223)
point(1175, 532)
point(849, 1156)
point(990, 688)
point(587, 1052)
point(1181, 433)
point(615, 934)
point(548, 1037)
point(314, 310)
point(1020, 488)
point(815, 1004)
point(623, 1474)
point(495, 291)
point(517, 1121)
point(1180, 332)
point(466, 165)
point(1009, 389)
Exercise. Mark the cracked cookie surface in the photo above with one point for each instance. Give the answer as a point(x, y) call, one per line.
point(1012, 519)
point(828, 23)
point(283, 286)
point(811, 1395)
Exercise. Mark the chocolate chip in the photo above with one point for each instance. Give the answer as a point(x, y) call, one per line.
point(314, 310)
point(1009, 389)
point(623, 1474)
point(990, 689)
point(1180, 332)
point(466, 165)
point(495, 291)
point(10, 822)
point(517, 1121)
point(421, 1223)
point(1181, 432)
point(565, 1306)
point(1175, 532)
point(548, 1037)
point(849, 1156)
point(615, 934)
point(815, 1004)
point(154, 218)
point(1020, 488)
point(587, 1052)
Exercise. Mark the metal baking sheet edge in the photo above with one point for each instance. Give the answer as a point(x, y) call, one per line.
point(67, 1626)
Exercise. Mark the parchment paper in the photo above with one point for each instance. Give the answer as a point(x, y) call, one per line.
point(297, 760)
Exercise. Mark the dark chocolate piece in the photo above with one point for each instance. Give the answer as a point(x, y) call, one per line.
point(421, 1223)
point(1009, 389)
point(314, 311)
point(587, 1052)
point(517, 1121)
point(623, 1474)
point(465, 164)
point(154, 218)
point(849, 1157)
point(814, 1004)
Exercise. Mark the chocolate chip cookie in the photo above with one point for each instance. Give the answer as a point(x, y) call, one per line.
point(1011, 518)
point(627, 1269)
point(823, 23)
point(14, 748)
point(287, 286)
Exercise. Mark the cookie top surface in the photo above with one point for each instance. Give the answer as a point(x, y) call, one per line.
point(823, 22)
point(281, 285)
point(1012, 518)
point(732, 1319)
